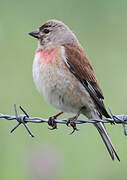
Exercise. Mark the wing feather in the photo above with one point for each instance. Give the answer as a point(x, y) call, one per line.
point(82, 69)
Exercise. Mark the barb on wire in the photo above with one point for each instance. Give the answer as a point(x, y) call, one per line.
point(25, 118)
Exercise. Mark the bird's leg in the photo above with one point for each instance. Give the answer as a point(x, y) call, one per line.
point(51, 121)
point(72, 120)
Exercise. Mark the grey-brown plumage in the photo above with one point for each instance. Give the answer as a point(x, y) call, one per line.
point(65, 76)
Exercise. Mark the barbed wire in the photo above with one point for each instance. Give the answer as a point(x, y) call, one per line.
point(25, 118)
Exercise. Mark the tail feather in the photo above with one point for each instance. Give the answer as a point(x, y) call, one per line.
point(107, 141)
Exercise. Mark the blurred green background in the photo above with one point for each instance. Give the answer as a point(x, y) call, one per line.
point(101, 27)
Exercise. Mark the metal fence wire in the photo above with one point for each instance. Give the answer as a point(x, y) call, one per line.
point(25, 118)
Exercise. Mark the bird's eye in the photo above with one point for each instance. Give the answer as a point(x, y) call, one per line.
point(46, 31)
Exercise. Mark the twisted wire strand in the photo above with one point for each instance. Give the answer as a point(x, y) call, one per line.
point(25, 118)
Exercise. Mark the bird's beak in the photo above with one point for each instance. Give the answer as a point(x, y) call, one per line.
point(35, 34)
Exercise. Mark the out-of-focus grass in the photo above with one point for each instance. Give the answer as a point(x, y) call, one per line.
point(101, 28)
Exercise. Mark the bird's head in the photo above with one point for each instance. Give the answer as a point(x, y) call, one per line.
point(53, 33)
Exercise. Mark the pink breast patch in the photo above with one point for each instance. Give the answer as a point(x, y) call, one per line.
point(46, 56)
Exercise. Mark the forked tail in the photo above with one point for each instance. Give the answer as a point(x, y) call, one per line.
point(102, 131)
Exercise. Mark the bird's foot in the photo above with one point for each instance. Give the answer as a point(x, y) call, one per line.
point(51, 121)
point(71, 121)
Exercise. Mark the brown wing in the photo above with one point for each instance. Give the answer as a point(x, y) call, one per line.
point(81, 67)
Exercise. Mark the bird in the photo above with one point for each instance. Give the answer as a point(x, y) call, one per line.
point(63, 74)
